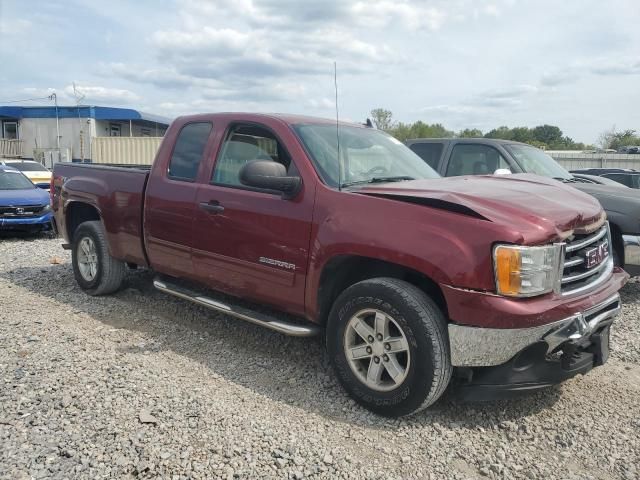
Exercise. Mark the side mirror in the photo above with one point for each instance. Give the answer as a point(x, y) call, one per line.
point(269, 175)
point(502, 171)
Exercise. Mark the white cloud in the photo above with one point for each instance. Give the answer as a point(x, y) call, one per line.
point(93, 94)
point(412, 15)
point(18, 26)
point(469, 62)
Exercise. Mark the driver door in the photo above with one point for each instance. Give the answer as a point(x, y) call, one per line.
point(247, 242)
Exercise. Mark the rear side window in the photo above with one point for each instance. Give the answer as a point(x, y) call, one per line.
point(621, 178)
point(429, 152)
point(187, 154)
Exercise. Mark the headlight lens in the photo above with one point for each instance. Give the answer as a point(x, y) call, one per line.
point(525, 271)
point(46, 208)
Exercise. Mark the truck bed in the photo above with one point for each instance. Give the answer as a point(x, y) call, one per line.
point(117, 194)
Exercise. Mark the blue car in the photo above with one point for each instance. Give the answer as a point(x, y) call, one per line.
point(23, 206)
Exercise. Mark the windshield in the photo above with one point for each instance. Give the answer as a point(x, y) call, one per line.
point(14, 181)
point(366, 155)
point(534, 160)
point(28, 166)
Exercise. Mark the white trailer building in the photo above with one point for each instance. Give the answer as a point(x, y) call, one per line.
point(50, 134)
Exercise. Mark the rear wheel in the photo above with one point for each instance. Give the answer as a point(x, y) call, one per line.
point(388, 343)
point(96, 271)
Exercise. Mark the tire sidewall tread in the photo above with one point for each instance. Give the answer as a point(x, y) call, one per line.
point(423, 324)
point(110, 271)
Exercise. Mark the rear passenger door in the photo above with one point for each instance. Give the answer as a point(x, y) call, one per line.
point(475, 159)
point(170, 202)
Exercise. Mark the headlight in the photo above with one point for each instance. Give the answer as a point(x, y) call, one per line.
point(525, 271)
point(46, 208)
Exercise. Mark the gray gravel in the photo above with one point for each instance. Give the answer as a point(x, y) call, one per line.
point(144, 385)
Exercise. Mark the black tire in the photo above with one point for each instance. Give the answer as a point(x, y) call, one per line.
point(110, 272)
point(425, 328)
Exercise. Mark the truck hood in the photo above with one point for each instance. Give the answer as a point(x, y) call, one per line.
point(29, 196)
point(540, 209)
point(599, 191)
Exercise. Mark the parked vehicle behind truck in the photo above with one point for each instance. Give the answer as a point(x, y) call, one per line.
point(484, 156)
point(505, 284)
point(23, 206)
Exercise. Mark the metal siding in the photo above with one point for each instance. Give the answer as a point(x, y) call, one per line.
point(125, 150)
point(573, 161)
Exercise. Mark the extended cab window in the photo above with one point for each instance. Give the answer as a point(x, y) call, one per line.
point(429, 152)
point(188, 151)
point(475, 160)
point(245, 143)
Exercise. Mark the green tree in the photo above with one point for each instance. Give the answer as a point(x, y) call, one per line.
point(470, 133)
point(382, 119)
point(548, 134)
point(614, 139)
point(503, 133)
point(420, 129)
point(522, 134)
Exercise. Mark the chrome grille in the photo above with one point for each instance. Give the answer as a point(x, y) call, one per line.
point(21, 211)
point(588, 261)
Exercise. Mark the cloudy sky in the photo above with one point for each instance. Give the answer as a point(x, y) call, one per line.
point(464, 63)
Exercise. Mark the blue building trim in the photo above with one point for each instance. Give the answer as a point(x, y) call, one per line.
point(95, 112)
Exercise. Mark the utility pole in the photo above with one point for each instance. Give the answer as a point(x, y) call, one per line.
point(54, 97)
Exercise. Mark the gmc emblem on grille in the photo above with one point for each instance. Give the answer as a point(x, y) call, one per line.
point(595, 256)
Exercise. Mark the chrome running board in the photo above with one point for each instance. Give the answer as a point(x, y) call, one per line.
point(292, 328)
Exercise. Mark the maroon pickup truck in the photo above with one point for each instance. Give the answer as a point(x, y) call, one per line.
point(303, 226)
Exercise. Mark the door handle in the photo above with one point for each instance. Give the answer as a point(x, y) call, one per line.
point(212, 206)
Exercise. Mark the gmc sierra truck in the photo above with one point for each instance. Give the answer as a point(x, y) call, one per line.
point(495, 284)
point(483, 156)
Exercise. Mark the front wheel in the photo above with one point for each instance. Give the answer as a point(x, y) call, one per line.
point(96, 271)
point(388, 343)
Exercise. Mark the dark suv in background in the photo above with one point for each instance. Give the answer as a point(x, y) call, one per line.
point(625, 176)
point(485, 156)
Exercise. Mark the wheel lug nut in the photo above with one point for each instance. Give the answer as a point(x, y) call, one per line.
point(369, 350)
point(387, 346)
point(376, 359)
point(370, 339)
point(385, 357)
point(380, 336)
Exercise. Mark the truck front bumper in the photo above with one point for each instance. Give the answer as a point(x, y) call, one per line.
point(631, 253)
point(484, 347)
point(498, 363)
point(19, 223)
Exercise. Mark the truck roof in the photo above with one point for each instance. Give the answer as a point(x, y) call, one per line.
point(487, 141)
point(289, 119)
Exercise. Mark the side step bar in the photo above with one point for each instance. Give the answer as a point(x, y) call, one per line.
point(287, 327)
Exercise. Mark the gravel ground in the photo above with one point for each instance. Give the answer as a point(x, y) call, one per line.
point(140, 384)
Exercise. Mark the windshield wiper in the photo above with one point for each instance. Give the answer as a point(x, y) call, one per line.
point(397, 178)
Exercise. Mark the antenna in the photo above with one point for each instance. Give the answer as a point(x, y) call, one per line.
point(79, 97)
point(335, 83)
